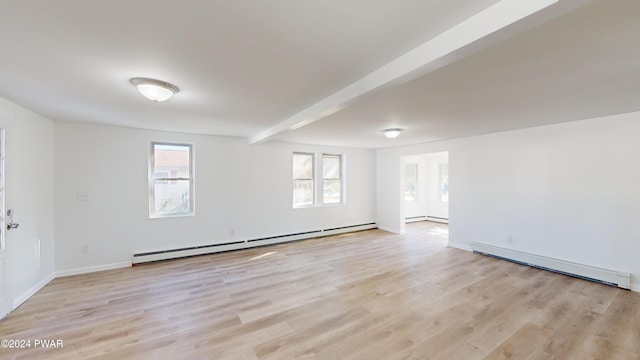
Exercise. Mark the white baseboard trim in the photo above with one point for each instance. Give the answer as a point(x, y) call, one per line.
point(34, 289)
point(460, 246)
point(90, 269)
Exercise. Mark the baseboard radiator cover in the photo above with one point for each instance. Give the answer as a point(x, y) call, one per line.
point(412, 219)
point(437, 219)
point(159, 255)
point(605, 276)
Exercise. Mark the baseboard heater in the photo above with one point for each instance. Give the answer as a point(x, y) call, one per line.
point(159, 255)
point(437, 219)
point(605, 276)
point(426, 218)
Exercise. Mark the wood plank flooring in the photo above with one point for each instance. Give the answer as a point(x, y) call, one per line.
point(367, 295)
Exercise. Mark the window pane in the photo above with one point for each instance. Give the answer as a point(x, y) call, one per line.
point(172, 160)
point(303, 189)
point(331, 175)
point(444, 182)
point(172, 197)
point(410, 181)
point(302, 192)
point(302, 166)
point(330, 167)
point(331, 193)
point(171, 180)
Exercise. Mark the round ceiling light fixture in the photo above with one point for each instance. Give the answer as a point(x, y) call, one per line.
point(156, 90)
point(392, 133)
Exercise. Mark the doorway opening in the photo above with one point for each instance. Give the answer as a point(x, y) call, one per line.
point(425, 193)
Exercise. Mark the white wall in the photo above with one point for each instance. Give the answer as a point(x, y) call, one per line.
point(569, 191)
point(241, 192)
point(30, 193)
point(428, 195)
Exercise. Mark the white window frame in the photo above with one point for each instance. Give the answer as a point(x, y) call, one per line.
point(313, 179)
point(152, 180)
point(340, 179)
point(441, 170)
point(318, 179)
point(415, 193)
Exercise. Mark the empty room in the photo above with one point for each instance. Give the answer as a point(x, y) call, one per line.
point(419, 179)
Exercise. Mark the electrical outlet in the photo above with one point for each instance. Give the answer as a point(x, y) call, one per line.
point(510, 240)
point(82, 196)
point(84, 249)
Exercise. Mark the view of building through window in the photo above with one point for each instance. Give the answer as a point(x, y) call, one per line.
point(171, 182)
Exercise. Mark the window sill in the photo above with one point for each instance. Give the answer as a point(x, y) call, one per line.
point(172, 216)
point(318, 206)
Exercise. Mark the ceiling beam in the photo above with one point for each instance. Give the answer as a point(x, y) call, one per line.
point(441, 50)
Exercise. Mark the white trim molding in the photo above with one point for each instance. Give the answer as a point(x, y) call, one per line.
point(32, 291)
point(91, 269)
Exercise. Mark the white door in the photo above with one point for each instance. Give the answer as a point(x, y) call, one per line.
point(5, 296)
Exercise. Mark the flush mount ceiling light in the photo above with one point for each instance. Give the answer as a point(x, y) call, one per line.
point(392, 133)
point(156, 90)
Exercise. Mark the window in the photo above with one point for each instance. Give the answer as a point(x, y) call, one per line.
point(170, 180)
point(410, 181)
point(327, 188)
point(303, 189)
point(331, 179)
point(444, 182)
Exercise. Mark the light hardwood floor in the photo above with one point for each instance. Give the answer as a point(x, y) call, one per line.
point(367, 295)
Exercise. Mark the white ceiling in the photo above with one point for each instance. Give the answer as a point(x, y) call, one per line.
point(247, 68)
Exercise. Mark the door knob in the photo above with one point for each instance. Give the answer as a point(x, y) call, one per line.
point(10, 223)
